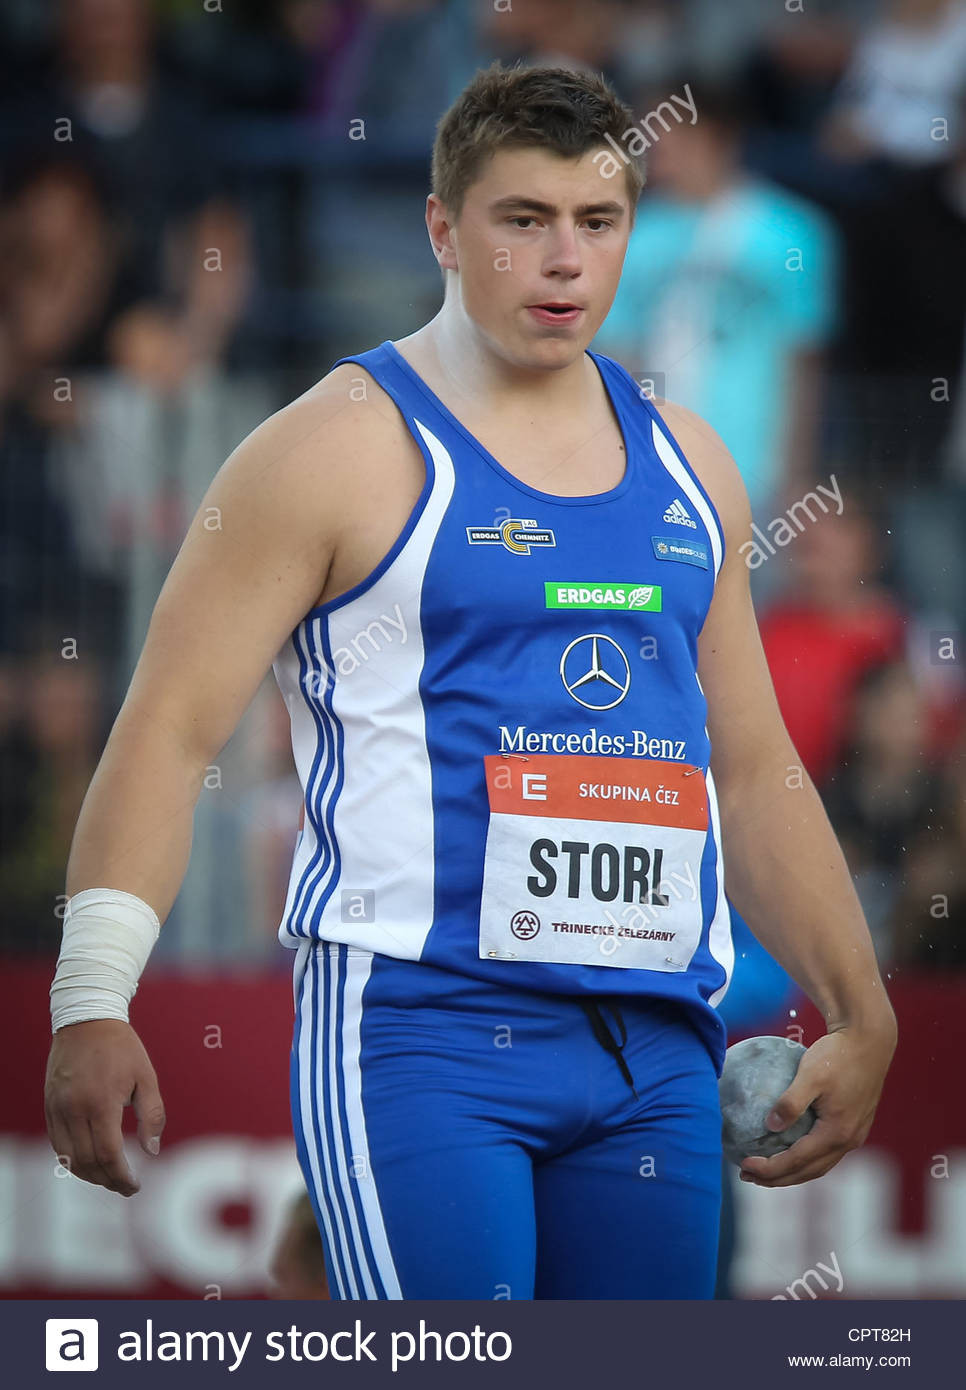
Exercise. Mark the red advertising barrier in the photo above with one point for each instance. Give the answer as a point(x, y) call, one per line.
point(890, 1219)
point(211, 1203)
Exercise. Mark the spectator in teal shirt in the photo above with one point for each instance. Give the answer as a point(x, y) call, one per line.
point(727, 297)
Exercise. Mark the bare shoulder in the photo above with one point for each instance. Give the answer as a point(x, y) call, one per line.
point(320, 444)
point(260, 549)
point(349, 399)
point(714, 465)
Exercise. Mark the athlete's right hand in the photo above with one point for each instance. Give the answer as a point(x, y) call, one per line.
point(94, 1070)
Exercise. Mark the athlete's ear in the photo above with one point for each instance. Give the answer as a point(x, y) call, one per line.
point(439, 224)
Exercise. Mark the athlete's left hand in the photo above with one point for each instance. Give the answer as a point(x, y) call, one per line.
point(841, 1075)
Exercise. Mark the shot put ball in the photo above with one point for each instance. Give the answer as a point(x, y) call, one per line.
point(755, 1074)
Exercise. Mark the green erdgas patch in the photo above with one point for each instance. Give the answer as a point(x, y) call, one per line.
point(616, 598)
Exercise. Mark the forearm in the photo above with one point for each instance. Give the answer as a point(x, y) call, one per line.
point(135, 825)
point(787, 876)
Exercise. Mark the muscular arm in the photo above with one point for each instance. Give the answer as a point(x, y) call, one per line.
point(252, 564)
point(784, 869)
point(254, 561)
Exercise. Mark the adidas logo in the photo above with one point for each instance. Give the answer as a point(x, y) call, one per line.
point(678, 513)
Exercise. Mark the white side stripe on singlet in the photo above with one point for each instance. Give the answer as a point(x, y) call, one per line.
point(381, 694)
point(720, 941)
point(677, 470)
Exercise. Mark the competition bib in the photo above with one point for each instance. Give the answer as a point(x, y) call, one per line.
point(593, 861)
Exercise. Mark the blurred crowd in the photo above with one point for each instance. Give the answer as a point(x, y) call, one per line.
point(203, 205)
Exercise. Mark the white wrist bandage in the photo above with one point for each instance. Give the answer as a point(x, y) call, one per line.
point(108, 936)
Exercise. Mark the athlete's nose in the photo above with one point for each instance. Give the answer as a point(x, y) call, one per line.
point(563, 252)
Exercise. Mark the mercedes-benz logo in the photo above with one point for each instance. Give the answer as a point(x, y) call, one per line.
point(600, 669)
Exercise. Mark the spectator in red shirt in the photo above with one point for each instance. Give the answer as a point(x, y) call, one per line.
point(832, 625)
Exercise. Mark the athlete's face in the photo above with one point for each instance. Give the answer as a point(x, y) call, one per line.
point(537, 229)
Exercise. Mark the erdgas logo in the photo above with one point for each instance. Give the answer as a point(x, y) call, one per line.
point(611, 596)
point(641, 596)
point(514, 535)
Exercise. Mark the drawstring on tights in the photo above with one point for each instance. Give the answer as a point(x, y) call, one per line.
point(606, 1038)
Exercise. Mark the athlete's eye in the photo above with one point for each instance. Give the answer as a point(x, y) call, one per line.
point(601, 221)
point(521, 217)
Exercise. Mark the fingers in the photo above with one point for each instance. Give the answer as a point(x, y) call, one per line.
point(96, 1068)
point(108, 1150)
point(803, 1090)
point(59, 1139)
point(809, 1157)
point(790, 1105)
point(149, 1109)
point(91, 1157)
point(92, 1149)
point(804, 1172)
point(71, 1138)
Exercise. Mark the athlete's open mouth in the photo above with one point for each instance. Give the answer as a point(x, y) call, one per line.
point(557, 311)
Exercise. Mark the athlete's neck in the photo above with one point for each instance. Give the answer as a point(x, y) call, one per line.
point(459, 366)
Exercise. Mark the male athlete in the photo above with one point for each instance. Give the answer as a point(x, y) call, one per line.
point(505, 603)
